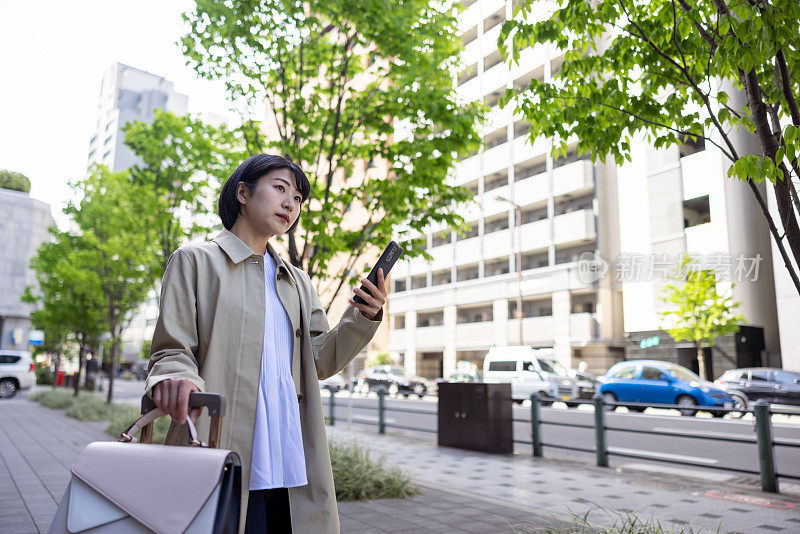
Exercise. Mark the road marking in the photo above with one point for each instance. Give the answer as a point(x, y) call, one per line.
point(704, 433)
point(367, 419)
point(665, 456)
point(750, 499)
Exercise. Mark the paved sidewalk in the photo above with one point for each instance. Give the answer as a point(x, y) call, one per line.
point(561, 488)
point(37, 446)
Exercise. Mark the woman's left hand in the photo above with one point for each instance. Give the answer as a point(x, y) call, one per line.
point(375, 301)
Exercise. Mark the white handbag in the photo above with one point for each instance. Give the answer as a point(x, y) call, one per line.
point(120, 487)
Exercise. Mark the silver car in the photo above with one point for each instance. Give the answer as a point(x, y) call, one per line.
point(17, 371)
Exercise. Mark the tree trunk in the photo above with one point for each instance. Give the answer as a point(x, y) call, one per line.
point(55, 370)
point(112, 369)
point(81, 360)
point(701, 362)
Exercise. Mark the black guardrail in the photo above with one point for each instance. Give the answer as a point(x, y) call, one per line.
point(763, 439)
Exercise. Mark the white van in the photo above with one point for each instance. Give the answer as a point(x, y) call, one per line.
point(521, 367)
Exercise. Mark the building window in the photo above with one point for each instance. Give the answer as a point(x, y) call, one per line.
point(498, 17)
point(399, 322)
point(533, 214)
point(496, 267)
point(495, 181)
point(696, 211)
point(468, 272)
point(495, 224)
point(472, 186)
point(583, 303)
point(481, 314)
point(534, 260)
point(467, 74)
point(495, 138)
point(399, 286)
point(691, 145)
point(441, 277)
point(418, 282)
point(521, 128)
point(531, 308)
point(470, 35)
point(528, 169)
point(492, 60)
point(571, 157)
point(434, 318)
point(492, 100)
point(570, 254)
point(441, 238)
point(471, 231)
point(568, 205)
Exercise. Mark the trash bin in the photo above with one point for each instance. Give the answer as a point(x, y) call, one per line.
point(475, 416)
point(60, 378)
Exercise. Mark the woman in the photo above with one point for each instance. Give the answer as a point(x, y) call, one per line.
point(235, 319)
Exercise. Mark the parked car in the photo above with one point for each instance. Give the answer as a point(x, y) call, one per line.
point(394, 380)
point(464, 372)
point(658, 382)
point(17, 371)
point(530, 372)
point(333, 383)
point(586, 382)
point(776, 386)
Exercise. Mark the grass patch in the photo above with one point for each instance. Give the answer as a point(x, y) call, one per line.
point(358, 477)
point(614, 522)
point(91, 407)
point(56, 399)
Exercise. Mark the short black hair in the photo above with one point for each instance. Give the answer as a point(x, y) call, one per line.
point(248, 173)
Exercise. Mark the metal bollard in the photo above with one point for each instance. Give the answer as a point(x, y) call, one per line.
point(381, 408)
point(600, 430)
point(331, 407)
point(766, 457)
point(536, 426)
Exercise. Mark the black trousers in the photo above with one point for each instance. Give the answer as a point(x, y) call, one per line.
point(268, 512)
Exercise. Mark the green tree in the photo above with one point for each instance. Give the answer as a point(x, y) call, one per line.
point(119, 250)
point(350, 84)
point(184, 162)
point(674, 70)
point(68, 295)
point(16, 181)
point(380, 357)
point(700, 314)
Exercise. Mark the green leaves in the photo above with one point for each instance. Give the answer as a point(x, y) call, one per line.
point(699, 313)
point(360, 95)
point(183, 165)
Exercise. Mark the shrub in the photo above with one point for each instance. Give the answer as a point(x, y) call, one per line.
point(15, 181)
point(357, 476)
point(44, 376)
point(123, 415)
point(58, 398)
point(88, 407)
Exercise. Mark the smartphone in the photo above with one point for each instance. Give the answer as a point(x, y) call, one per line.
point(385, 262)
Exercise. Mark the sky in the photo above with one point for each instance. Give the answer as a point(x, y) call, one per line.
point(53, 55)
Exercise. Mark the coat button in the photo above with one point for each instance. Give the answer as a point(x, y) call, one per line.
point(298, 332)
point(299, 398)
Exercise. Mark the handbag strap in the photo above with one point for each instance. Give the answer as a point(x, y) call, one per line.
point(148, 419)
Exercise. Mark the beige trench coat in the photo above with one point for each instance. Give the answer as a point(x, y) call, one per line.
point(210, 330)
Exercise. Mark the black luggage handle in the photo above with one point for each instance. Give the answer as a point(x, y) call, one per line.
point(213, 401)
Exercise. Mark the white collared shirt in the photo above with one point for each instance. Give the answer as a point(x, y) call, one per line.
point(278, 460)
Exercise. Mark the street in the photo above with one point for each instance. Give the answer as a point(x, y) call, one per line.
point(689, 449)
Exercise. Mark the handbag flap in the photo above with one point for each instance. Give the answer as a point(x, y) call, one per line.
point(162, 487)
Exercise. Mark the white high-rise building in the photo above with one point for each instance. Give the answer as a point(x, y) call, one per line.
point(128, 94)
point(659, 206)
point(464, 301)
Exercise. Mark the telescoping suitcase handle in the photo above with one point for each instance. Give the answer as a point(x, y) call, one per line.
point(213, 402)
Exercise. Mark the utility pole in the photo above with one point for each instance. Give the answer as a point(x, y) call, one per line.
point(518, 224)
